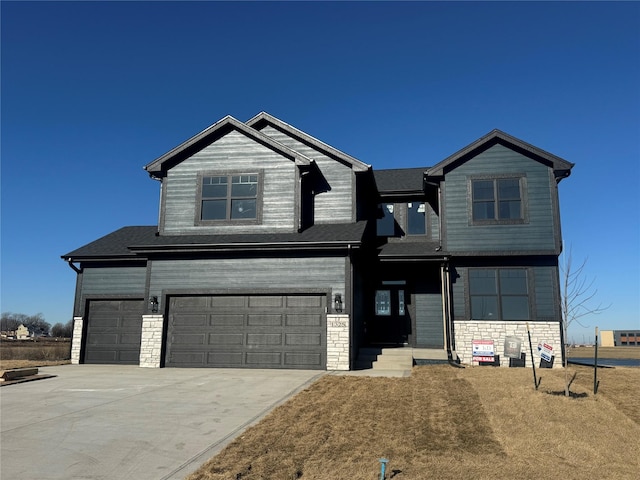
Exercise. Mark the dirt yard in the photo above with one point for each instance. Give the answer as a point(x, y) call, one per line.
point(446, 423)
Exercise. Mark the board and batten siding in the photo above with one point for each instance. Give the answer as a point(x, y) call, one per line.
point(537, 234)
point(237, 153)
point(336, 205)
point(247, 275)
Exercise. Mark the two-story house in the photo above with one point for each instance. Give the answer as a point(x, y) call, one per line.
point(275, 250)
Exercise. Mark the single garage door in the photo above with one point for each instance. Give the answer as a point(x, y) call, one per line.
point(114, 329)
point(250, 331)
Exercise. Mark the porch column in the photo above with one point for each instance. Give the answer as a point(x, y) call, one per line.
point(76, 340)
point(338, 340)
point(151, 341)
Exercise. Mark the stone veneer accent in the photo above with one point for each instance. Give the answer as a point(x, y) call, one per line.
point(337, 342)
point(151, 341)
point(76, 340)
point(541, 332)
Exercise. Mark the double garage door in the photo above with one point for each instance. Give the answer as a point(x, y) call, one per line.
point(251, 331)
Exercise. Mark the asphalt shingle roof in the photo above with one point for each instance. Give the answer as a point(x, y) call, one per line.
point(126, 241)
point(399, 180)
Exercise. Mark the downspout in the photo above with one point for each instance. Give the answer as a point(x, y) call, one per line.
point(440, 216)
point(351, 307)
point(446, 301)
point(73, 267)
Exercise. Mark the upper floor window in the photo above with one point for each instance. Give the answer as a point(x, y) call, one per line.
point(399, 219)
point(416, 218)
point(497, 200)
point(229, 197)
point(386, 225)
point(499, 294)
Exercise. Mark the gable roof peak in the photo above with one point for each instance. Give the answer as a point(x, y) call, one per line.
point(561, 167)
point(263, 118)
point(160, 165)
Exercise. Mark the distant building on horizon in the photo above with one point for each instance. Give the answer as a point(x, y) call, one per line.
point(620, 338)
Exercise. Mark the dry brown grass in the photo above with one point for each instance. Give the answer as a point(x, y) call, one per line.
point(445, 423)
point(26, 353)
point(605, 352)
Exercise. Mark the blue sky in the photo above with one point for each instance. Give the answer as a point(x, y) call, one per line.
point(91, 92)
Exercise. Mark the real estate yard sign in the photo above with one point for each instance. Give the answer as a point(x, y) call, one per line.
point(483, 350)
point(546, 351)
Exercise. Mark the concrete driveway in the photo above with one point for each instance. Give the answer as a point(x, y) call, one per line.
point(126, 422)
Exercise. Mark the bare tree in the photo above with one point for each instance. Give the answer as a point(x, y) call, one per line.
point(578, 298)
point(62, 330)
point(36, 324)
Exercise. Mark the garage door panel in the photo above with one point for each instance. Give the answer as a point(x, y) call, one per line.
point(262, 301)
point(187, 358)
point(188, 339)
point(264, 339)
point(225, 359)
point(190, 320)
point(227, 320)
point(304, 301)
point(263, 359)
point(302, 320)
point(251, 331)
point(261, 320)
point(294, 339)
point(105, 322)
point(101, 356)
point(226, 339)
point(310, 360)
point(189, 303)
point(99, 339)
point(130, 339)
point(128, 356)
point(227, 301)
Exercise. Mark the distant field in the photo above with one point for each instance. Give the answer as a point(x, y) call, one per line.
point(27, 353)
point(605, 352)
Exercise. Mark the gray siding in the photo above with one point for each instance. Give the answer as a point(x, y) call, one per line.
point(233, 152)
point(113, 281)
point(538, 234)
point(248, 275)
point(336, 205)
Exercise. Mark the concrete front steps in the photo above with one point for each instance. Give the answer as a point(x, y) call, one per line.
point(400, 358)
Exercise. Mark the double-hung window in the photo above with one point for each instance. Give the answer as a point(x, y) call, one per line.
point(499, 294)
point(497, 200)
point(229, 197)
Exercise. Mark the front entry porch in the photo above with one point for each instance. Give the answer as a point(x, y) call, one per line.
point(405, 308)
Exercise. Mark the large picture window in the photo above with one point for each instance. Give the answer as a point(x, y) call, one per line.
point(499, 294)
point(229, 197)
point(496, 200)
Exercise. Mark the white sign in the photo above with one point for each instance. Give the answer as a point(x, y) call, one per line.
point(546, 351)
point(483, 350)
